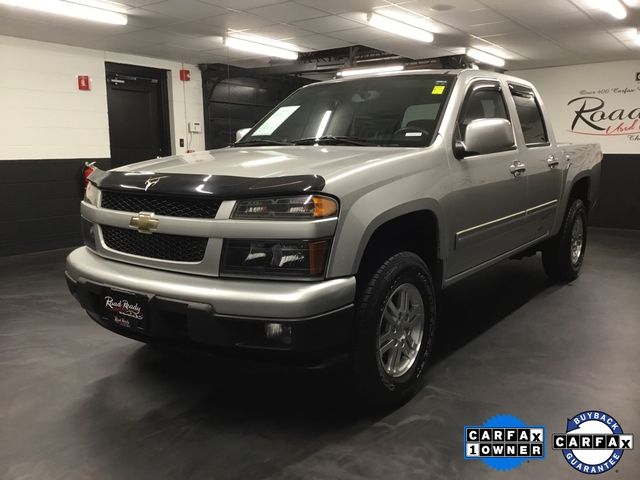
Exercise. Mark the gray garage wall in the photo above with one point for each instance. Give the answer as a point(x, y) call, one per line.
point(619, 203)
point(40, 204)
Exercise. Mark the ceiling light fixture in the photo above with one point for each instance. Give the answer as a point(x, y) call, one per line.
point(398, 27)
point(369, 71)
point(485, 57)
point(613, 7)
point(71, 9)
point(264, 41)
point(638, 36)
point(261, 46)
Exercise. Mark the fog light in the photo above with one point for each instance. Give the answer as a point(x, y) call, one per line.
point(88, 233)
point(278, 332)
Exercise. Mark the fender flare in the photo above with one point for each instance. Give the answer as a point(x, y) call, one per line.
point(420, 205)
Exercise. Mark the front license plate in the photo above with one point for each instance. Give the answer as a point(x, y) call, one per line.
point(125, 309)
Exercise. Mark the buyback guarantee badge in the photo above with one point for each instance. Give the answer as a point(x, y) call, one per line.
point(504, 442)
point(593, 442)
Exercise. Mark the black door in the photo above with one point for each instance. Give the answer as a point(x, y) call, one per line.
point(138, 113)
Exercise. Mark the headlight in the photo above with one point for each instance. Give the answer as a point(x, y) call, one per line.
point(293, 258)
point(303, 207)
point(91, 194)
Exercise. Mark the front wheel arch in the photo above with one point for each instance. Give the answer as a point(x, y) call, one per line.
point(417, 232)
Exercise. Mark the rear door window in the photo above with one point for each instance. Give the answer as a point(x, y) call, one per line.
point(530, 115)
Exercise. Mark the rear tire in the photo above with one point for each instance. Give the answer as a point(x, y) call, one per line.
point(396, 318)
point(563, 255)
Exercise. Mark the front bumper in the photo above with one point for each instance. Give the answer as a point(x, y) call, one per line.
point(219, 312)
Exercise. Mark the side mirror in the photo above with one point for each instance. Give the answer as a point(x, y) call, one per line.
point(241, 133)
point(486, 135)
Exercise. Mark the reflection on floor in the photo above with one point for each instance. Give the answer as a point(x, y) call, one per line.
point(77, 402)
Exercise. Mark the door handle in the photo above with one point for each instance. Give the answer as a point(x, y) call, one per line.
point(552, 161)
point(517, 168)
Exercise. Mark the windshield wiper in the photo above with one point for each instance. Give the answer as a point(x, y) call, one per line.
point(259, 142)
point(333, 140)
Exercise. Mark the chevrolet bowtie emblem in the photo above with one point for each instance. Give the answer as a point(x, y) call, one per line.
point(152, 182)
point(144, 222)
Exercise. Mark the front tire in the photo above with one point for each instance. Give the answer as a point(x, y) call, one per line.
point(396, 318)
point(563, 255)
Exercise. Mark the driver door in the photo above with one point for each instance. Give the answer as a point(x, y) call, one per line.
point(489, 198)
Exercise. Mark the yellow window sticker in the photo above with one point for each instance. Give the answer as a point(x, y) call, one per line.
point(437, 90)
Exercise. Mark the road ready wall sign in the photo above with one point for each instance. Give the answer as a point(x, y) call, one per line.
point(597, 103)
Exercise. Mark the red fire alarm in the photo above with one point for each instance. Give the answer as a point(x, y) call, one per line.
point(185, 75)
point(83, 82)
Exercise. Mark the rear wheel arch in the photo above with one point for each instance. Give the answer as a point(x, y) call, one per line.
point(581, 189)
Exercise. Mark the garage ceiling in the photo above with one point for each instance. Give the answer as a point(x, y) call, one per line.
point(528, 33)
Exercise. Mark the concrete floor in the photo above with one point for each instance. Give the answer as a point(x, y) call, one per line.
point(78, 402)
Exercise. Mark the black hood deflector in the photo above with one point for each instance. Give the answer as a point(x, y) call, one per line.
point(218, 186)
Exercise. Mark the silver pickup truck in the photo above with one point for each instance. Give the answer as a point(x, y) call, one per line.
point(328, 229)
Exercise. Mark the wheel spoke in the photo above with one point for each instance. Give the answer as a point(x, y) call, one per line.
point(386, 345)
point(385, 337)
point(404, 301)
point(577, 240)
point(408, 350)
point(389, 316)
point(392, 309)
point(413, 317)
point(394, 358)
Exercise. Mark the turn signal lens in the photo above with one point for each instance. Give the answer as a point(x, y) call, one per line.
point(87, 170)
point(324, 207)
point(303, 207)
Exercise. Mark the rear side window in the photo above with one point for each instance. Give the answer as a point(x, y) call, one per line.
point(530, 115)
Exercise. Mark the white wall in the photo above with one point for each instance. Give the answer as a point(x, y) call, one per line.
point(564, 90)
point(43, 115)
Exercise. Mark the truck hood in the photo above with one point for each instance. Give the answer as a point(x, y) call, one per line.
point(342, 167)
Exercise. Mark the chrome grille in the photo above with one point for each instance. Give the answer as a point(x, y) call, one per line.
point(169, 206)
point(162, 246)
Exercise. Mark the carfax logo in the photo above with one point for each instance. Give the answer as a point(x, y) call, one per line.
point(504, 442)
point(593, 443)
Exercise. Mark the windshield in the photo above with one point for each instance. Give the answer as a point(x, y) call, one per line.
point(388, 111)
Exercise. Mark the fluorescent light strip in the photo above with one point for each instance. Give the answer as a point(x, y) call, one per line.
point(638, 36)
point(259, 48)
point(369, 71)
point(70, 9)
point(399, 28)
point(421, 22)
point(264, 41)
point(485, 57)
point(613, 7)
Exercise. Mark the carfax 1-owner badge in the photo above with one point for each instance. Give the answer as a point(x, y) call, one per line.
point(504, 442)
point(593, 442)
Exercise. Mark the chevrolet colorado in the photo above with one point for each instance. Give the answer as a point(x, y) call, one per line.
point(329, 228)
